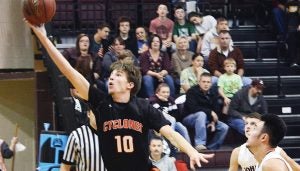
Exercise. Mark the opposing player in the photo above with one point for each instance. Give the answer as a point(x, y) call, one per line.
point(241, 156)
point(122, 119)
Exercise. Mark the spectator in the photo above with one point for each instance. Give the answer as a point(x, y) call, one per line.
point(124, 32)
point(246, 101)
point(99, 41)
point(181, 59)
point(82, 59)
point(279, 14)
point(293, 34)
point(155, 67)
point(184, 28)
point(166, 104)
point(189, 76)
point(229, 83)
point(223, 51)
point(6, 151)
point(118, 52)
point(158, 158)
point(163, 27)
point(210, 40)
point(142, 40)
point(82, 148)
point(202, 24)
point(200, 108)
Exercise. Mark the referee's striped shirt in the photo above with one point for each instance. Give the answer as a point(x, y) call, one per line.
point(83, 150)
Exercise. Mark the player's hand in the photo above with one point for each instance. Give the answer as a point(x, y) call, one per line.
point(197, 157)
point(36, 29)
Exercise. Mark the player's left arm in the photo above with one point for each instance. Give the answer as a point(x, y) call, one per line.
point(295, 166)
point(274, 164)
point(177, 140)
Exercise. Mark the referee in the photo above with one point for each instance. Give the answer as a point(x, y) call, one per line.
point(82, 149)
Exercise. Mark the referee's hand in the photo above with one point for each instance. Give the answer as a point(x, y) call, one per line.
point(197, 157)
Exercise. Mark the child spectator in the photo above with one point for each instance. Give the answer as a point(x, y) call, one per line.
point(229, 83)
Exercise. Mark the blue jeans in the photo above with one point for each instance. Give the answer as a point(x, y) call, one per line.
point(198, 121)
point(150, 83)
point(280, 20)
point(178, 127)
point(237, 124)
point(182, 130)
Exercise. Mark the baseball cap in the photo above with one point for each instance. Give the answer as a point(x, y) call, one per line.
point(258, 83)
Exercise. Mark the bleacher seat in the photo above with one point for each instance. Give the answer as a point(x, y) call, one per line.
point(64, 19)
point(90, 14)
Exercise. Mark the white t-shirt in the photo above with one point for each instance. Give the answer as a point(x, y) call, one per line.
point(272, 155)
point(246, 159)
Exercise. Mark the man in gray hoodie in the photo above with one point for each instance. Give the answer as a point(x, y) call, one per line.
point(246, 101)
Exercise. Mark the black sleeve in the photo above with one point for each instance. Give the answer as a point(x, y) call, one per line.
point(5, 151)
point(95, 97)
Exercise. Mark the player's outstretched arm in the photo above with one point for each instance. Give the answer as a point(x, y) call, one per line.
point(77, 80)
point(234, 165)
point(178, 141)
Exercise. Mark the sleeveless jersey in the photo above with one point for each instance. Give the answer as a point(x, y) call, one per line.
point(272, 155)
point(246, 159)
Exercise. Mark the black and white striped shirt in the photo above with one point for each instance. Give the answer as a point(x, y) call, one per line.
point(83, 150)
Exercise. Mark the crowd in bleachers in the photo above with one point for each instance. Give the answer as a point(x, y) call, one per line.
point(192, 57)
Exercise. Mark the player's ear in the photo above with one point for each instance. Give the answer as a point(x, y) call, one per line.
point(265, 137)
point(131, 85)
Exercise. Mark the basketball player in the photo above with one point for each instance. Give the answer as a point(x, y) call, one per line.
point(263, 140)
point(241, 156)
point(82, 149)
point(122, 119)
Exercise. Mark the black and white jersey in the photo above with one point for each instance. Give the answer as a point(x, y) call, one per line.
point(123, 130)
point(83, 150)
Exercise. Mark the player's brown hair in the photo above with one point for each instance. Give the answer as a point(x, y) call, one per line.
point(133, 73)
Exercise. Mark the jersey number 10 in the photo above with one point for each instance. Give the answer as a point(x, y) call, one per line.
point(124, 144)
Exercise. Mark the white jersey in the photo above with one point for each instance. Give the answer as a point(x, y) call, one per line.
point(272, 155)
point(246, 159)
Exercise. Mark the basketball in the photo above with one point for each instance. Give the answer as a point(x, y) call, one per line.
point(39, 11)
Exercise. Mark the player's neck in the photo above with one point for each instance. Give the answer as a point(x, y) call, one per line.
point(121, 97)
point(262, 152)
